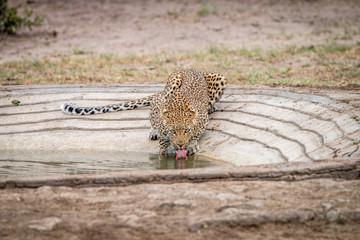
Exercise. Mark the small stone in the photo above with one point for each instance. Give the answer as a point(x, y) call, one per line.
point(332, 215)
point(44, 224)
point(129, 220)
point(96, 223)
point(326, 206)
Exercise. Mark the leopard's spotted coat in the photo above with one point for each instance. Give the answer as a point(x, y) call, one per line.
point(179, 114)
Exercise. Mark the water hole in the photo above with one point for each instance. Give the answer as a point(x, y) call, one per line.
point(30, 163)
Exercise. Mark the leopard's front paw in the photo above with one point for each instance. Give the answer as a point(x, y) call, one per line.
point(192, 149)
point(153, 135)
point(212, 109)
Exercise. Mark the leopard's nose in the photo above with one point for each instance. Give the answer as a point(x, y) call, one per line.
point(180, 145)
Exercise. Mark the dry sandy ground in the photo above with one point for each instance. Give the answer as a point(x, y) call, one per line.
point(233, 210)
point(303, 201)
point(138, 27)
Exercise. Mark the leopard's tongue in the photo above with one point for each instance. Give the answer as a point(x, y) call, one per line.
point(181, 153)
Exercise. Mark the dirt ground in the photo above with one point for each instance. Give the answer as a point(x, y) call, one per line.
point(313, 209)
point(303, 201)
point(136, 27)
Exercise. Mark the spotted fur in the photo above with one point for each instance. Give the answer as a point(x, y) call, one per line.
point(179, 114)
point(66, 108)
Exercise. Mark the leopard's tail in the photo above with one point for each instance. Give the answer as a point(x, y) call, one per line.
point(129, 105)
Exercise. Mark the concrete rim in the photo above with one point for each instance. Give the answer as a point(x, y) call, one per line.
point(342, 169)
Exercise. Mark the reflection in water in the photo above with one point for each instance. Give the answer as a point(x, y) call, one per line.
point(80, 162)
point(170, 162)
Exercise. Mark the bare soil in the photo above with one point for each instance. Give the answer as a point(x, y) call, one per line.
point(311, 209)
point(136, 27)
point(299, 201)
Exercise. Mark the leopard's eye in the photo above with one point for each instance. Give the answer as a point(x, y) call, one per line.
point(187, 130)
point(173, 131)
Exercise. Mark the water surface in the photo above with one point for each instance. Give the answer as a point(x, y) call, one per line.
point(25, 163)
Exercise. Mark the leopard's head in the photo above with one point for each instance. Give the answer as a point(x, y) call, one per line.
point(179, 125)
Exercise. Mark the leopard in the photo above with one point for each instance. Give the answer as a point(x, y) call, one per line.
point(179, 114)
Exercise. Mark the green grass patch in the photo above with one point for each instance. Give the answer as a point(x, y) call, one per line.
point(331, 64)
point(340, 221)
point(15, 102)
point(79, 52)
point(205, 10)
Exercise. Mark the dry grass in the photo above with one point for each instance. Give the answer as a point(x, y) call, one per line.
point(331, 64)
